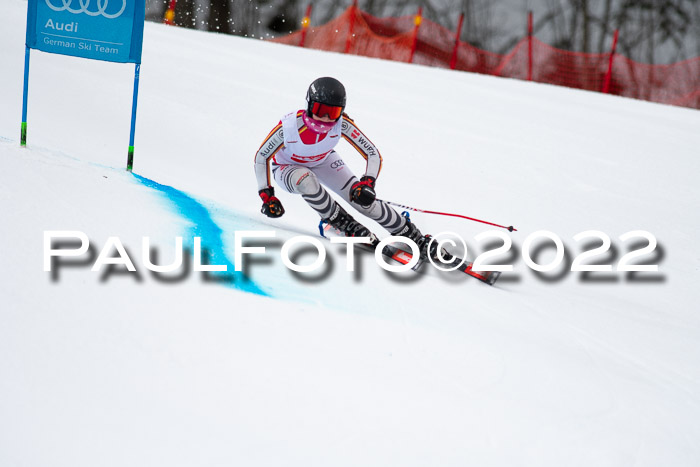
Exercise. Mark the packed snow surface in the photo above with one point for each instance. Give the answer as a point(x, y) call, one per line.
point(265, 367)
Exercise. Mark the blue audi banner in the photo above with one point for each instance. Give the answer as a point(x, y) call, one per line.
point(110, 30)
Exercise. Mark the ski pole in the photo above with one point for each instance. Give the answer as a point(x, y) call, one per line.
point(509, 228)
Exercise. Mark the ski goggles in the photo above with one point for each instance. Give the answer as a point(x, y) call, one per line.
point(322, 110)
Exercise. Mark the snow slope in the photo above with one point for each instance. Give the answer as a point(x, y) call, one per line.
point(338, 368)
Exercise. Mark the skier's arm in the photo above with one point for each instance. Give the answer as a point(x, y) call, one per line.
point(363, 145)
point(272, 207)
point(272, 143)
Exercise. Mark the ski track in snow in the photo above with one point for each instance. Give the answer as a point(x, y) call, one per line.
point(203, 226)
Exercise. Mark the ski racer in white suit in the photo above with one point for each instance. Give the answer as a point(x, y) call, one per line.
point(299, 151)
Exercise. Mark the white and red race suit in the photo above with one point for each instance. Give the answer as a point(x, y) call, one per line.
point(291, 143)
point(302, 159)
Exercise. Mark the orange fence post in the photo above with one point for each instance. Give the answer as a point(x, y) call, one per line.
point(453, 60)
point(170, 13)
point(305, 24)
point(417, 20)
point(608, 75)
point(529, 46)
point(353, 12)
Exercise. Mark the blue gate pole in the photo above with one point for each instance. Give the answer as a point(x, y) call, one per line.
point(23, 135)
point(130, 158)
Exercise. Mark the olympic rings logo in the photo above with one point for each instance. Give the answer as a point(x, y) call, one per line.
point(84, 5)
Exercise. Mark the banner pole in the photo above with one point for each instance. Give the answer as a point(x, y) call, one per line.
point(453, 60)
point(305, 24)
point(130, 158)
point(529, 46)
point(414, 41)
point(23, 133)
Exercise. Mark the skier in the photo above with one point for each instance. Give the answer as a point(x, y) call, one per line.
point(300, 152)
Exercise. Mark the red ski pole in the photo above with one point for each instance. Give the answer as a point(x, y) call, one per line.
point(509, 228)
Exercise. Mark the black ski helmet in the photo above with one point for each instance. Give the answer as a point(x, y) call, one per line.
point(327, 91)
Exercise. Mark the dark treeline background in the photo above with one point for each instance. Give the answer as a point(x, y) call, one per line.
point(651, 31)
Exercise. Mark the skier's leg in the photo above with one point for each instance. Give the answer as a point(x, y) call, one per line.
point(302, 180)
point(339, 178)
point(334, 174)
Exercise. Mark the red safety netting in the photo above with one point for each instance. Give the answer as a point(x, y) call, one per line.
point(429, 43)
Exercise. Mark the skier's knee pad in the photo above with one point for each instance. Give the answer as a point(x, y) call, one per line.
point(304, 181)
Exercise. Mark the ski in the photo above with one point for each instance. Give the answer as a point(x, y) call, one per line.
point(403, 257)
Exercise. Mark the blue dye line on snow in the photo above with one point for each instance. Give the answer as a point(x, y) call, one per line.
point(203, 226)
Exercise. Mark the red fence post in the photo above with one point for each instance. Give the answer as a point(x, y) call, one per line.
point(417, 20)
point(529, 46)
point(453, 60)
point(353, 12)
point(305, 25)
point(170, 13)
point(608, 75)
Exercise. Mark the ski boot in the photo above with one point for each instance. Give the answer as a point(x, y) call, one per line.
point(346, 225)
point(426, 248)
